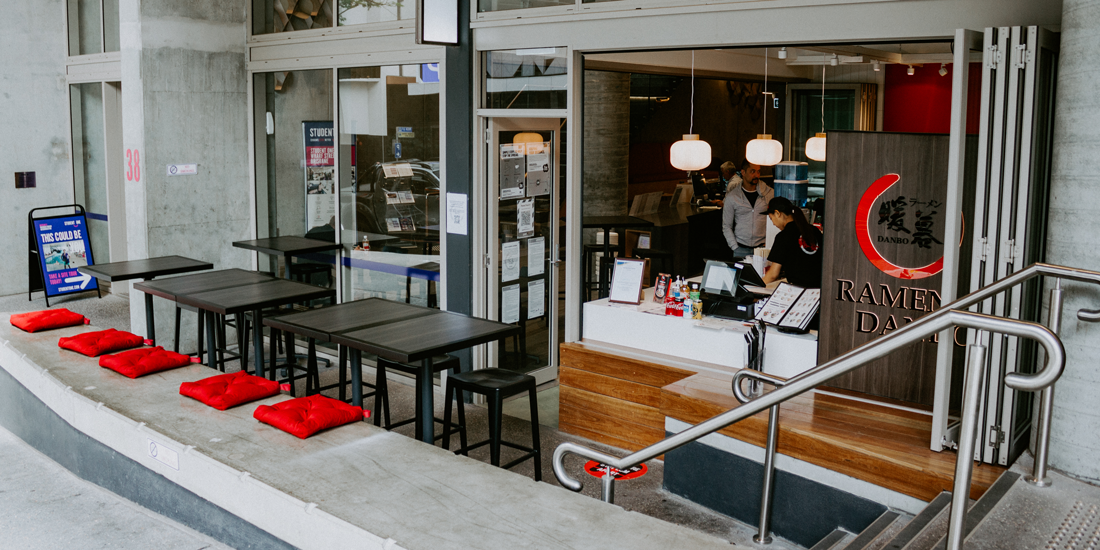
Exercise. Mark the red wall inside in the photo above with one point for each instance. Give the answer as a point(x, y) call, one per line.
point(921, 103)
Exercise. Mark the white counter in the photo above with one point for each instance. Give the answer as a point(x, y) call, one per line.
point(720, 342)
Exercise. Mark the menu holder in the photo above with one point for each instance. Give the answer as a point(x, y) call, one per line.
point(626, 283)
point(791, 306)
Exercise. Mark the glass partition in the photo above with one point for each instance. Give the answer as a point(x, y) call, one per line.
point(535, 78)
point(89, 167)
point(93, 26)
point(295, 169)
point(389, 182)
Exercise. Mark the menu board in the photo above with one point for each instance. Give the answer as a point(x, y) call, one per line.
point(791, 306)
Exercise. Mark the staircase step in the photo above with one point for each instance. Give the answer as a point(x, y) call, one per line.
point(877, 534)
point(984, 505)
point(919, 522)
point(832, 540)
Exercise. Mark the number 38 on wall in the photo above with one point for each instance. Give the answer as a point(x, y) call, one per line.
point(133, 165)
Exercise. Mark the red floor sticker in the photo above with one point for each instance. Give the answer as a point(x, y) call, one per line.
point(597, 469)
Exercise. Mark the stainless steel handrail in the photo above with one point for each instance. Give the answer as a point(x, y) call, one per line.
point(765, 523)
point(922, 328)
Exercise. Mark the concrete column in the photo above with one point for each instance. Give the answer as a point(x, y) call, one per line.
point(1071, 239)
point(184, 96)
point(606, 143)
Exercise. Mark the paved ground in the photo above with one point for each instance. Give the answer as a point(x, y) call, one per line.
point(44, 506)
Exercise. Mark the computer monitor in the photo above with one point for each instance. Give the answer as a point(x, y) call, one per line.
point(749, 276)
point(699, 186)
point(721, 278)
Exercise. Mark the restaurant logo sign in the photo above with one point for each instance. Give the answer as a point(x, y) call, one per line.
point(901, 236)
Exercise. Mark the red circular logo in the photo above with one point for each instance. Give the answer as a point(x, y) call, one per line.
point(597, 469)
point(863, 235)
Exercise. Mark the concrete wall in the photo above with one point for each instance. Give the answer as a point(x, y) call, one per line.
point(1072, 228)
point(34, 106)
point(185, 101)
point(606, 143)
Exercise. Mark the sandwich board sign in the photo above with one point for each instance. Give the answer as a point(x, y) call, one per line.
point(63, 245)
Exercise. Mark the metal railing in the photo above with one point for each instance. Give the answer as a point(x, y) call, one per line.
point(949, 315)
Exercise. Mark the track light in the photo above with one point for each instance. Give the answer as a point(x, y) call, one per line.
point(943, 69)
point(875, 65)
point(911, 71)
point(834, 61)
point(782, 53)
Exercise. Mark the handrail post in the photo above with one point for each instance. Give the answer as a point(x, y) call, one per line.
point(762, 537)
point(608, 486)
point(960, 497)
point(1039, 477)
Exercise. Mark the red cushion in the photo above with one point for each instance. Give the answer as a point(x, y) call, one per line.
point(229, 390)
point(100, 342)
point(139, 362)
point(306, 416)
point(46, 319)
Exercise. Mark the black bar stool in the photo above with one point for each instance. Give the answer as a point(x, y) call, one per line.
point(439, 364)
point(495, 385)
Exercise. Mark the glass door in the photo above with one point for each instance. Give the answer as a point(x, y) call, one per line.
point(525, 277)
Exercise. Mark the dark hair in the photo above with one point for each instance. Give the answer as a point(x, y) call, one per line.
point(785, 206)
point(745, 164)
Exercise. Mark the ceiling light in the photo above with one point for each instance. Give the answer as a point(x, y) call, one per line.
point(911, 71)
point(875, 65)
point(943, 69)
point(690, 153)
point(764, 151)
point(782, 53)
point(834, 60)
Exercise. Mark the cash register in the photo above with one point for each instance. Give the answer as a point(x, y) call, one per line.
point(724, 293)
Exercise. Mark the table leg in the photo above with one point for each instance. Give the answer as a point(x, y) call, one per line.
point(604, 293)
point(150, 328)
point(357, 378)
point(425, 407)
point(258, 343)
point(211, 339)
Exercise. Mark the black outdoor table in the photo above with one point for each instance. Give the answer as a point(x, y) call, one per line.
point(146, 270)
point(607, 223)
point(251, 297)
point(288, 247)
point(402, 333)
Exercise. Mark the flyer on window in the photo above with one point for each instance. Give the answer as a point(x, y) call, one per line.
point(509, 261)
point(320, 171)
point(536, 297)
point(509, 304)
point(536, 256)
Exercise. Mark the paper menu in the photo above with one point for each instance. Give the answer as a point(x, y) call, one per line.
point(509, 261)
point(509, 304)
point(799, 314)
point(536, 297)
point(536, 256)
point(780, 301)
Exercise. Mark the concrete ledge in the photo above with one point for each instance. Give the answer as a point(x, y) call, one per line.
point(352, 487)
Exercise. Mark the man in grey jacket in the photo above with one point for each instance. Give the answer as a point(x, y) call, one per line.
point(746, 198)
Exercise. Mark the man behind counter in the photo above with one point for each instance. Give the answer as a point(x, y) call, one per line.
point(796, 250)
point(746, 197)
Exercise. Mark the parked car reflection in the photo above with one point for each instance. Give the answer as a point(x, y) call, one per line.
point(399, 199)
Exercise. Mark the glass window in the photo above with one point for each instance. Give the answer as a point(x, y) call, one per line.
point(295, 174)
point(390, 183)
point(840, 114)
point(89, 169)
point(526, 79)
point(501, 5)
point(93, 26)
point(272, 16)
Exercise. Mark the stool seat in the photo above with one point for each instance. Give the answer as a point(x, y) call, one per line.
point(496, 385)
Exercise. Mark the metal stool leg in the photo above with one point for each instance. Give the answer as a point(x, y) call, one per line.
point(447, 398)
point(176, 340)
point(535, 434)
point(495, 417)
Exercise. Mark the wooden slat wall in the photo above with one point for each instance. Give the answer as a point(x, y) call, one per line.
point(612, 399)
point(880, 445)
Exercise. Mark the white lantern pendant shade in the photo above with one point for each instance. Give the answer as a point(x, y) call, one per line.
point(815, 147)
point(528, 142)
point(690, 154)
point(764, 151)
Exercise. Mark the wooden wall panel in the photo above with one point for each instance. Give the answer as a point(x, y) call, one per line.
point(860, 302)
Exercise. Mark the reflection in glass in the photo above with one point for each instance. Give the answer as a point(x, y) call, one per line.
point(500, 5)
point(840, 112)
point(389, 182)
point(273, 16)
point(294, 170)
point(526, 79)
point(356, 12)
point(110, 26)
point(89, 170)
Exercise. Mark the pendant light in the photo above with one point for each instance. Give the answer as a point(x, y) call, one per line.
point(764, 151)
point(815, 146)
point(529, 143)
point(691, 153)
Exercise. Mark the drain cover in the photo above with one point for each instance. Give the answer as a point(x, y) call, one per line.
point(1079, 531)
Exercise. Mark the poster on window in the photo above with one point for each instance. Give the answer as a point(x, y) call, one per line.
point(320, 170)
point(63, 246)
point(538, 170)
point(512, 179)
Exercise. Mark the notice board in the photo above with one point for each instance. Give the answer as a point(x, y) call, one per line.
point(884, 244)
